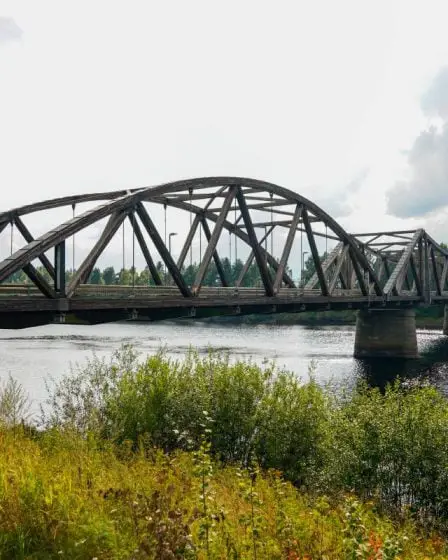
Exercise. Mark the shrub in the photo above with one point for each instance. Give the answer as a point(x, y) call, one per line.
point(394, 446)
point(389, 446)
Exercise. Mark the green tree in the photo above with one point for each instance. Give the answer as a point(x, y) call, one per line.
point(310, 268)
point(125, 277)
point(96, 277)
point(144, 278)
point(109, 275)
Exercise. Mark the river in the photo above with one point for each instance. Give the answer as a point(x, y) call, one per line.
point(33, 355)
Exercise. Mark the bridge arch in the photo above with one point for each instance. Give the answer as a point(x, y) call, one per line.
point(200, 197)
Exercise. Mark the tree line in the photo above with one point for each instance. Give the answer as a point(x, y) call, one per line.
point(131, 276)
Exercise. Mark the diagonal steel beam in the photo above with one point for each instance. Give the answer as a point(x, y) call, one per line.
point(148, 224)
point(417, 280)
point(211, 246)
point(216, 258)
point(82, 274)
point(253, 241)
point(144, 247)
point(229, 226)
point(39, 281)
point(391, 284)
point(188, 242)
point(388, 274)
point(435, 271)
point(325, 265)
point(358, 273)
point(250, 258)
point(341, 258)
point(315, 253)
point(444, 273)
point(26, 234)
point(287, 248)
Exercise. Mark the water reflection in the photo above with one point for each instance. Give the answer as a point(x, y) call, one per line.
point(432, 366)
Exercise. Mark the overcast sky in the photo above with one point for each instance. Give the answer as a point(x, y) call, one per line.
point(345, 102)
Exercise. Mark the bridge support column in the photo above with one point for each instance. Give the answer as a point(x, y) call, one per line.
point(385, 333)
point(445, 321)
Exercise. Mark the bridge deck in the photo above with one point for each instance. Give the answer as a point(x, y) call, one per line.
point(23, 306)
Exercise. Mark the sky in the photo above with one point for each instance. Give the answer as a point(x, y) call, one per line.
point(343, 102)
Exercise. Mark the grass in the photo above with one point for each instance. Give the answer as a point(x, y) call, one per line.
point(207, 459)
point(65, 496)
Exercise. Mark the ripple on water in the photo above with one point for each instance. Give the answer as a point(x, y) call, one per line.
point(33, 354)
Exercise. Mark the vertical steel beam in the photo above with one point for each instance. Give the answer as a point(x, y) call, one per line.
point(148, 224)
point(211, 246)
point(287, 248)
point(426, 275)
point(59, 265)
point(256, 247)
point(315, 253)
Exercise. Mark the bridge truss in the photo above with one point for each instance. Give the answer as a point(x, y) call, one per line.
point(368, 269)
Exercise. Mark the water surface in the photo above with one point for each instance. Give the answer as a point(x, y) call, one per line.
point(31, 355)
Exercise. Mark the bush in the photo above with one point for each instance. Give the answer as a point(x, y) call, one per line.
point(391, 447)
point(394, 446)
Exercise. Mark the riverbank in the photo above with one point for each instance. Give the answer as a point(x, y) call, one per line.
point(424, 319)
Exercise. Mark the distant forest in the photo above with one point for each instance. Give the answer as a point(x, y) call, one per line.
point(130, 277)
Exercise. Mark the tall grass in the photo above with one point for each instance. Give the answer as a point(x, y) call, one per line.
point(388, 446)
point(63, 496)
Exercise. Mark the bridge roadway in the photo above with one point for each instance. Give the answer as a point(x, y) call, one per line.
point(24, 305)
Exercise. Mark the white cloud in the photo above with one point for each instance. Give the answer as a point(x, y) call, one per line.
point(9, 31)
point(100, 96)
point(425, 189)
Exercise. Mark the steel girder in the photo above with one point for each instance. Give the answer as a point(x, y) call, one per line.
point(233, 204)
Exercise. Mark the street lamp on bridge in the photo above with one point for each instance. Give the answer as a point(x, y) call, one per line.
point(169, 240)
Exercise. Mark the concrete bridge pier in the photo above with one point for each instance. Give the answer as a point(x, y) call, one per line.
point(445, 321)
point(386, 333)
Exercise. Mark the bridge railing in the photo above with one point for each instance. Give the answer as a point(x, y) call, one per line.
point(122, 292)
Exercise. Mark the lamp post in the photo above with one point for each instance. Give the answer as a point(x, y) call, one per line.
point(169, 240)
point(303, 266)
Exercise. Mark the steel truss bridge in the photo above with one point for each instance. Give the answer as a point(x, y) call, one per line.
point(368, 270)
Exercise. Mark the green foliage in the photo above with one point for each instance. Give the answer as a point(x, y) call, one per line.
point(391, 447)
point(14, 403)
point(293, 429)
point(63, 496)
point(130, 277)
point(256, 411)
point(159, 458)
point(394, 447)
